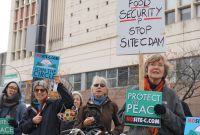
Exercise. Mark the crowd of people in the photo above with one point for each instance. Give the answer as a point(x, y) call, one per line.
point(40, 118)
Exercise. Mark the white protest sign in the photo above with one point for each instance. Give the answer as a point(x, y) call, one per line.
point(54, 86)
point(140, 26)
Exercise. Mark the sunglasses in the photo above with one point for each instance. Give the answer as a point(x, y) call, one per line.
point(101, 85)
point(41, 90)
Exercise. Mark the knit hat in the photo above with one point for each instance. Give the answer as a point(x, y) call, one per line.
point(77, 93)
point(41, 83)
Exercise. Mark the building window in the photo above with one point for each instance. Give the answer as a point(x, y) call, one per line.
point(169, 4)
point(101, 73)
point(112, 77)
point(70, 35)
point(15, 41)
point(71, 14)
point(25, 32)
point(19, 53)
point(77, 82)
point(198, 10)
point(31, 53)
point(15, 27)
point(97, 16)
point(185, 14)
point(185, 2)
point(134, 75)
point(20, 39)
point(22, 13)
point(16, 15)
point(170, 18)
point(33, 20)
point(106, 25)
point(17, 4)
point(106, 2)
point(22, 2)
point(27, 10)
point(20, 24)
point(26, 22)
point(122, 76)
point(33, 8)
point(87, 30)
point(13, 56)
point(89, 79)
point(88, 9)
point(24, 53)
point(79, 22)
point(28, 1)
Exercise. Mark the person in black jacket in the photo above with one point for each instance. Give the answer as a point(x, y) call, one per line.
point(41, 117)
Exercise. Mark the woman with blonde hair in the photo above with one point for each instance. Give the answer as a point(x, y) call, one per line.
point(171, 111)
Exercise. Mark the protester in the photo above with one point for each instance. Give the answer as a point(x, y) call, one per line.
point(99, 110)
point(171, 111)
point(41, 117)
point(78, 101)
point(11, 106)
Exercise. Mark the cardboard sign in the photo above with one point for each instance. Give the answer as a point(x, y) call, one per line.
point(192, 126)
point(140, 108)
point(140, 26)
point(5, 128)
point(45, 66)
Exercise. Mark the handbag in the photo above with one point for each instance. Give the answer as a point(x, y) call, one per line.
point(68, 116)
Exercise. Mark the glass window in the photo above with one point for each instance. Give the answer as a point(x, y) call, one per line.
point(101, 73)
point(16, 15)
point(19, 53)
point(112, 75)
point(23, 2)
point(31, 53)
point(123, 76)
point(198, 10)
point(170, 18)
point(24, 54)
point(13, 56)
point(17, 4)
point(77, 82)
point(89, 79)
point(185, 14)
point(184, 2)
point(15, 41)
point(134, 75)
point(20, 39)
point(170, 4)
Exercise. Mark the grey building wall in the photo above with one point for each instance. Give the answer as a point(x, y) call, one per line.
point(2, 68)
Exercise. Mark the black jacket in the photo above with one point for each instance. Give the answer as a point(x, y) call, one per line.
point(50, 122)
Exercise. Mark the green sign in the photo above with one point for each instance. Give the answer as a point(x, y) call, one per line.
point(9, 78)
point(140, 108)
point(5, 128)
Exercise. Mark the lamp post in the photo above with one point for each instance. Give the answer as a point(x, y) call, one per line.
point(16, 70)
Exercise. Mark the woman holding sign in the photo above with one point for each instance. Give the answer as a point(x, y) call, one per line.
point(171, 111)
point(41, 117)
point(10, 105)
point(99, 110)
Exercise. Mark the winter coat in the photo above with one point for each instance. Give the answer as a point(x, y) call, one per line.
point(20, 108)
point(50, 122)
point(66, 125)
point(172, 122)
point(108, 112)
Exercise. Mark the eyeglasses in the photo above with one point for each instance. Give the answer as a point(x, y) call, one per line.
point(12, 88)
point(101, 85)
point(41, 90)
point(158, 65)
point(76, 99)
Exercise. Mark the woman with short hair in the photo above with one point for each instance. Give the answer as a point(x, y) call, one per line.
point(99, 110)
point(11, 106)
point(41, 117)
point(172, 115)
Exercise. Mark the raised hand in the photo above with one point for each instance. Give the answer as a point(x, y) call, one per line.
point(57, 79)
point(37, 119)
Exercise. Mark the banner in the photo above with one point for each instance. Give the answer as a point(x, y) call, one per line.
point(5, 128)
point(192, 126)
point(45, 66)
point(140, 108)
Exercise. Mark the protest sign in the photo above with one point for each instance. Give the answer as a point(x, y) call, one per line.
point(45, 66)
point(54, 86)
point(140, 26)
point(5, 128)
point(140, 108)
point(192, 126)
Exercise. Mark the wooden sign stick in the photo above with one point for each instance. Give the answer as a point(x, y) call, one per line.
point(141, 71)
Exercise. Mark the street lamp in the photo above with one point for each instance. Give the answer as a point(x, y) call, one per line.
point(16, 70)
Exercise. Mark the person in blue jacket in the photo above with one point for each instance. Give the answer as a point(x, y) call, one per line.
point(11, 106)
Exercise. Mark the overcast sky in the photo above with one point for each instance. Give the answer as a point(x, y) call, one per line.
point(5, 8)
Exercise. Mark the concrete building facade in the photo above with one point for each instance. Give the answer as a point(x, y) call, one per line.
point(2, 68)
point(83, 34)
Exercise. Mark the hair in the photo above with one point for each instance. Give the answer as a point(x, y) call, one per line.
point(102, 80)
point(155, 58)
point(41, 83)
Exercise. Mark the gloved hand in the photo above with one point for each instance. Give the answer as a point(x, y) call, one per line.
point(13, 123)
point(160, 109)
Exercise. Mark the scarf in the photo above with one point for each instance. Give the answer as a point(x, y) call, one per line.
point(158, 89)
point(11, 103)
point(40, 105)
point(99, 104)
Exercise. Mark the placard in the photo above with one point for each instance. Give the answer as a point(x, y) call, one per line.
point(140, 26)
point(140, 108)
point(5, 128)
point(192, 126)
point(45, 66)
